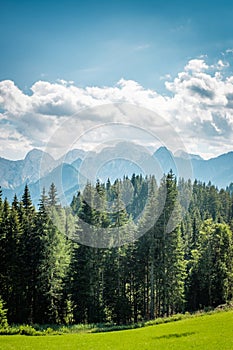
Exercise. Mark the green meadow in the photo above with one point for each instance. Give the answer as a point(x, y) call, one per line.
point(208, 332)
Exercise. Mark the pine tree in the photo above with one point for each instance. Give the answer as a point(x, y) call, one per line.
point(170, 257)
point(52, 196)
point(13, 238)
point(214, 265)
point(116, 261)
point(148, 247)
point(4, 228)
point(88, 261)
point(28, 259)
point(3, 315)
point(54, 260)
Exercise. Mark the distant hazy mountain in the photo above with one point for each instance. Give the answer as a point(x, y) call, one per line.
point(36, 164)
point(182, 154)
point(77, 163)
point(166, 160)
point(114, 162)
point(72, 171)
point(66, 179)
point(71, 156)
point(218, 170)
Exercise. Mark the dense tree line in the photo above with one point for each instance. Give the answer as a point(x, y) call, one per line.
point(178, 256)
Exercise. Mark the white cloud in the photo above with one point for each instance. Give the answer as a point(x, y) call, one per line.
point(165, 77)
point(200, 109)
point(222, 64)
point(13, 99)
point(65, 82)
point(196, 65)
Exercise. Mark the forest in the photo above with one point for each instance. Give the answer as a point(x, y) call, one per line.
point(173, 252)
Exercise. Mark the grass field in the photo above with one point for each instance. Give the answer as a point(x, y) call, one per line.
point(209, 332)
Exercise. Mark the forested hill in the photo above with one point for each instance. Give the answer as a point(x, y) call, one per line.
point(178, 256)
point(39, 169)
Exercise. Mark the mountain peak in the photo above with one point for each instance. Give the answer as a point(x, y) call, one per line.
point(71, 155)
point(34, 153)
point(163, 151)
point(37, 154)
point(185, 155)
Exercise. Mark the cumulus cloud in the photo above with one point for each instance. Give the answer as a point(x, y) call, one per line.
point(13, 100)
point(199, 107)
point(222, 65)
point(197, 65)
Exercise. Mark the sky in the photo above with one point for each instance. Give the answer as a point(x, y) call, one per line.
point(174, 58)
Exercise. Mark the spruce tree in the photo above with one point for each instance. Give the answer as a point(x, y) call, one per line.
point(54, 259)
point(214, 265)
point(3, 315)
point(28, 259)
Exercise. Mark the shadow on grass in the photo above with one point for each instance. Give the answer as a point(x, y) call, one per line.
point(174, 335)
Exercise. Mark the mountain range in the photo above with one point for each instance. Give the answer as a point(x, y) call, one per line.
point(71, 172)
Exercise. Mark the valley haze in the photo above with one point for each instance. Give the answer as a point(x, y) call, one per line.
point(39, 169)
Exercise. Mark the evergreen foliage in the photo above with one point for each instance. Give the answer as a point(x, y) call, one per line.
point(3, 315)
point(178, 256)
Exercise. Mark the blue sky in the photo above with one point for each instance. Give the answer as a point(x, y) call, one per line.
point(173, 57)
point(99, 42)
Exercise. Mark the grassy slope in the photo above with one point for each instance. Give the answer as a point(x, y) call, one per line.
point(209, 332)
